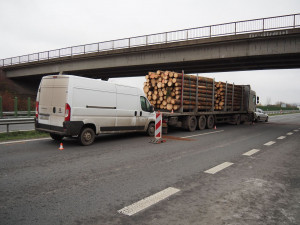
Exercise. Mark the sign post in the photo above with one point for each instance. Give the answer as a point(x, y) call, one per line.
point(158, 129)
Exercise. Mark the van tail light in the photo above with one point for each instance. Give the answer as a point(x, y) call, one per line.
point(36, 109)
point(67, 112)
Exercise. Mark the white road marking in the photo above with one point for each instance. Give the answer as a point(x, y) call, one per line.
point(23, 130)
point(251, 152)
point(281, 137)
point(22, 141)
point(203, 134)
point(147, 202)
point(15, 131)
point(270, 143)
point(289, 133)
point(296, 130)
point(218, 168)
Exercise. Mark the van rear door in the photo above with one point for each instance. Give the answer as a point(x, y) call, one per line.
point(52, 100)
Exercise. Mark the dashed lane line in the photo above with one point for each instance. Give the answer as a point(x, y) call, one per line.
point(23, 141)
point(251, 152)
point(203, 134)
point(296, 130)
point(281, 137)
point(270, 143)
point(147, 202)
point(289, 133)
point(218, 168)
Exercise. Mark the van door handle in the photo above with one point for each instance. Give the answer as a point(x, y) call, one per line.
point(141, 113)
point(135, 113)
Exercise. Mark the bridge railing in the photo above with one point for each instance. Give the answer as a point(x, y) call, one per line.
point(233, 28)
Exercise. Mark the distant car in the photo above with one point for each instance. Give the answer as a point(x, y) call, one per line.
point(260, 115)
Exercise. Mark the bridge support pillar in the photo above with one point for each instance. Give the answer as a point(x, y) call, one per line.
point(2, 75)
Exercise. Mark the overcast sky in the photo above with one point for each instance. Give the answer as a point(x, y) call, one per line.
point(29, 26)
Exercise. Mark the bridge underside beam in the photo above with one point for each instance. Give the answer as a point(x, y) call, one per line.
point(222, 54)
point(207, 66)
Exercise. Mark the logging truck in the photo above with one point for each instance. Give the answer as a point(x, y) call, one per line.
point(192, 102)
point(72, 106)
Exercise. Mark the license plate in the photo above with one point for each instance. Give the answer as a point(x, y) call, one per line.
point(44, 117)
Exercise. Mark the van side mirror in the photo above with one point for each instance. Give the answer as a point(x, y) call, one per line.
point(151, 108)
point(257, 99)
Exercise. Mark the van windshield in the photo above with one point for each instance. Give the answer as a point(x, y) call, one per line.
point(145, 104)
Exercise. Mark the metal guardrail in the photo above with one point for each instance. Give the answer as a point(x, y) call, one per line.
point(233, 28)
point(9, 122)
point(19, 113)
point(282, 112)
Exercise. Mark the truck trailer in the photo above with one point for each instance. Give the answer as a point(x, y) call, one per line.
point(194, 102)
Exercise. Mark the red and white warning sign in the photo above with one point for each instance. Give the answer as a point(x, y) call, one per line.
point(158, 129)
point(158, 125)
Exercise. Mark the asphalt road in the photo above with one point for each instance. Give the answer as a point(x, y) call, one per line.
point(40, 184)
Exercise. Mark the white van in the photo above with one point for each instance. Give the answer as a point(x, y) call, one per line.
point(69, 105)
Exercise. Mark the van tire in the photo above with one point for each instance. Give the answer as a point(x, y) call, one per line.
point(56, 137)
point(151, 129)
point(86, 136)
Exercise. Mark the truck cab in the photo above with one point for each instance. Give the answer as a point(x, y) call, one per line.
point(252, 101)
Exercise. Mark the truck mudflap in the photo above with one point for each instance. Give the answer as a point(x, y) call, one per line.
point(69, 128)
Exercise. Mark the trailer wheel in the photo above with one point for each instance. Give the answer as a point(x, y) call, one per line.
point(190, 123)
point(56, 137)
point(201, 122)
point(151, 129)
point(237, 119)
point(210, 122)
point(87, 136)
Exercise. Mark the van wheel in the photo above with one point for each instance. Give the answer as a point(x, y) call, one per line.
point(87, 136)
point(56, 137)
point(151, 130)
point(202, 122)
point(210, 122)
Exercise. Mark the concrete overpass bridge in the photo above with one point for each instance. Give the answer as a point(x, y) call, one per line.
point(265, 43)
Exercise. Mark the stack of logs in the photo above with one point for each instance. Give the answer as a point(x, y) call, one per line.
point(163, 90)
point(222, 99)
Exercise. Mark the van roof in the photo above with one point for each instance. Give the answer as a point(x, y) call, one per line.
point(80, 77)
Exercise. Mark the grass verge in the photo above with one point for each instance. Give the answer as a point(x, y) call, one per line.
point(19, 135)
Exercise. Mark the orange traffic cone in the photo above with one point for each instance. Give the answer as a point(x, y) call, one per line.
point(215, 127)
point(61, 147)
point(172, 111)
